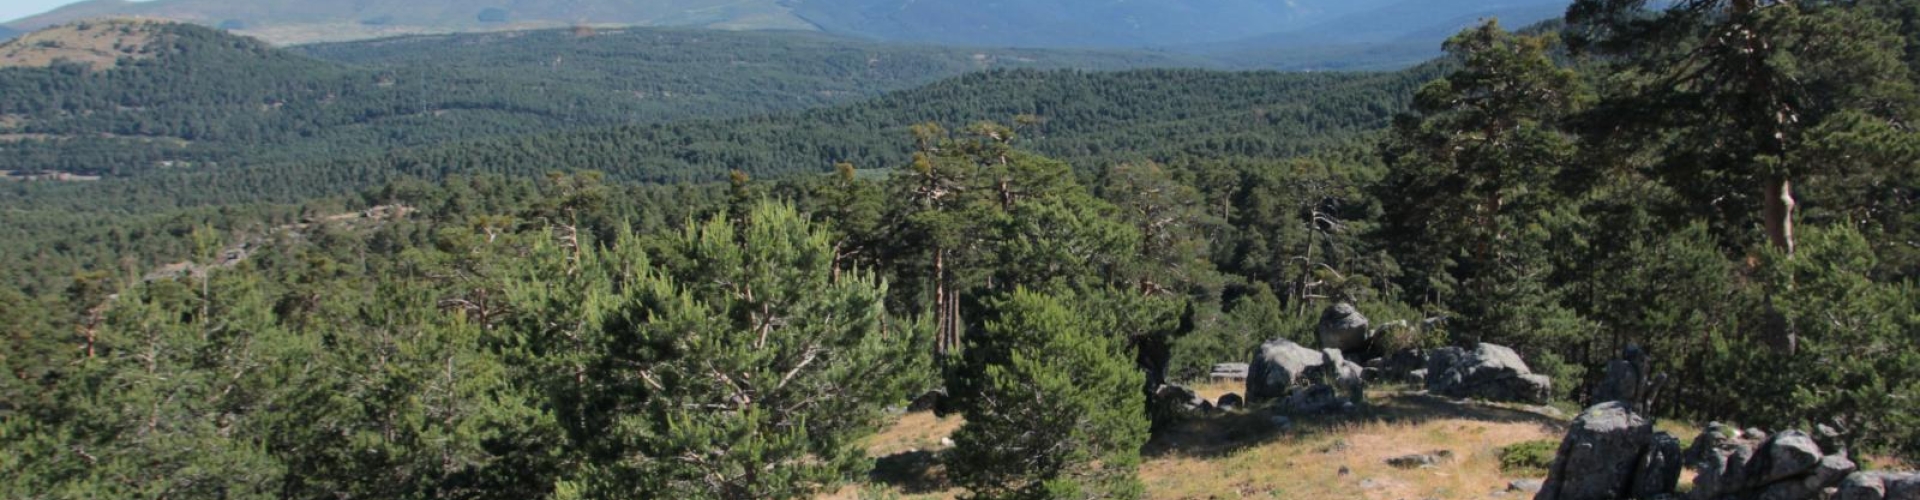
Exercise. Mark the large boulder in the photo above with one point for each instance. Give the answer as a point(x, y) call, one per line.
point(1660, 466)
point(1880, 486)
point(1345, 376)
point(1736, 465)
point(1278, 368)
point(1600, 456)
point(1343, 327)
point(1489, 372)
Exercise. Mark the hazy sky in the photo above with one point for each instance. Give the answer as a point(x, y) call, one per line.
point(15, 9)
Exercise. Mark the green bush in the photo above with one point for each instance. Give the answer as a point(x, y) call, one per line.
point(1532, 457)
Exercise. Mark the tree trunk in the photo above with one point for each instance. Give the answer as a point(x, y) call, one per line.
point(1779, 213)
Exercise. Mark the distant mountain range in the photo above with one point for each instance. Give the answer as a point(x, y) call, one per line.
point(1264, 33)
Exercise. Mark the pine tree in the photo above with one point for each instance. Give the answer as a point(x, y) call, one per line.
point(742, 369)
point(1057, 412)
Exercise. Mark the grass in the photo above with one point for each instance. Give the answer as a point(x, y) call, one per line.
point(1243, 455)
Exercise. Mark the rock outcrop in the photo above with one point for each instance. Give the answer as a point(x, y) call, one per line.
point(1488, 372)
point(1304, 380)
point(1740, 465)
point(1604, 455)
point(1278, 367)
point(1343, 327)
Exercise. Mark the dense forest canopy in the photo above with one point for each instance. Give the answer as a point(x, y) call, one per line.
point(723, 308)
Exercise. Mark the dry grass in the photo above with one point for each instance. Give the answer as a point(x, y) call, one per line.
point(98, 44)
point(1242, 455)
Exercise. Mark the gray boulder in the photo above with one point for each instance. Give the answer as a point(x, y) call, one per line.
point(1230, 401)
point(1489, 372)
point(1880, 486)
point(1659, 468)
point(1345, 376)
point(1735, 465)
point(1343, 327)
point(1278, 368)
point(1178, 402)
point(1315, 399)
point(1600, 455)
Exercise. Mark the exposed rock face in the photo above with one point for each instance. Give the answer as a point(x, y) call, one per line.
point(1279, 367)
point(1345, 376)
point(1601, 455)
point(1487, 372)
point(1343, 327)
point(1659, 467)
point(1880, 486)
point(1229, 371)
point(1736, 465)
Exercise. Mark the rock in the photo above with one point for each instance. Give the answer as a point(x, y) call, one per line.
point(1880, 486)
point(1526, 485)
point(1281, 422)
point(1827, 473)
point(1344, 471)
point(1420, 460)
point(1659, 469)
point(1316, 399)
point(1719, 458)
point(1279, 367)
point(1230, 401)
point(1490, 372)
point(1627, 379)
point(1336, 371)
point(1598, 458)
point(1178, 402)
point(1789, 454)
point(1343, 327)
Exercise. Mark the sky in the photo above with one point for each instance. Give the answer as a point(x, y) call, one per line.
point(15, 9)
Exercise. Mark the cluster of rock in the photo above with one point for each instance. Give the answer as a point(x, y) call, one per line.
point(1488, 371)
point(1304, 380)
point(1612, 451)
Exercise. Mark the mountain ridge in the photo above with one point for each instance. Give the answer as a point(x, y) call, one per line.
point(1265, 34)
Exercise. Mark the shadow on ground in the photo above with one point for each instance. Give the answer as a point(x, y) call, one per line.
point(913, 472)
point(1223, 433)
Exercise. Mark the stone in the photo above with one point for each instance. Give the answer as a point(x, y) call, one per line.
point(1281, 422)
point(1526, 485)
point(1316, 399)
point(928, 401)
point(1230, 401)
point(1659, 469)
point(1828, 472)
point(1343, 327)
point(1627, 379)
point(1178, 402)
point(1336, 371)
point(1789, 454)
point(1278, 368)
point(1420, 460)
point(1599, 456)
point(1880, 485)
point(1489, 372)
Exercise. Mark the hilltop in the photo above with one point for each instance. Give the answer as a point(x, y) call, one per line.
point(171, 94)
point(1308, 34)
point(97, 45)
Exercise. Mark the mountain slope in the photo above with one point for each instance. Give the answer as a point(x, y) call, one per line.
point(184, 94)
point(1250, 29)
point(1090, 119)
point(291, 21)
point(8, 33)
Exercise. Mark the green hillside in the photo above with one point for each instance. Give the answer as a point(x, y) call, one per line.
point(197, 96)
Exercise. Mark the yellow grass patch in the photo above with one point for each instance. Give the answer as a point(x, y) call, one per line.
point(98, 44)
point(1243, 455)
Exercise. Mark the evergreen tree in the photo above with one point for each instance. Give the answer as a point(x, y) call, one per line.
point(1058, 413)
point(742, 369)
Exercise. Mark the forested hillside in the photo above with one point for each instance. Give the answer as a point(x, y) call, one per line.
point(190, 98)
point(1724, 195)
